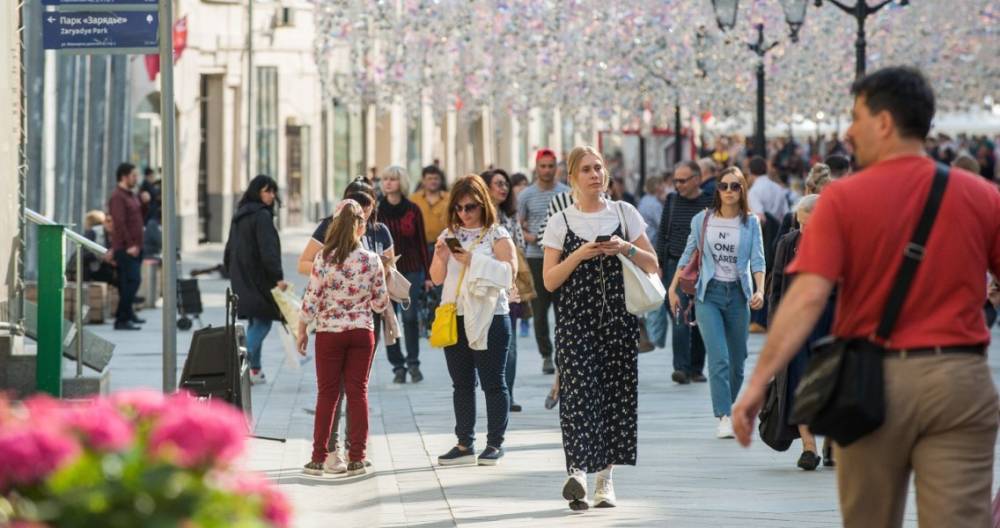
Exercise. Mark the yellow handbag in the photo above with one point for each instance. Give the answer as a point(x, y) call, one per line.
point(444, 329)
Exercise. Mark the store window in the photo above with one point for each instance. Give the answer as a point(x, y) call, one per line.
point(266, 112)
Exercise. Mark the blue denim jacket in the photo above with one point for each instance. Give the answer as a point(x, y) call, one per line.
point(750, 259)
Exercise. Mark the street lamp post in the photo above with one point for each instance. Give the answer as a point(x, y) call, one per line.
point(860, 11)
point(795, 16)
point(761, 49)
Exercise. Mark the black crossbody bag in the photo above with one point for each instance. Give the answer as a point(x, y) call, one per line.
point(842, 393)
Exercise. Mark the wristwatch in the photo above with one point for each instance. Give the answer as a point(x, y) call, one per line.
point(632, 250)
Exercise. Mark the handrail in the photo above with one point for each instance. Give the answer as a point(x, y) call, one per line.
point(84, 242)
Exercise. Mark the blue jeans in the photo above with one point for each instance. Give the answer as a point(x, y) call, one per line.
point(257, 330)
point(411, 325)
point(724, 318)
point(688, 347)
point(464, 364)
point(656, 326)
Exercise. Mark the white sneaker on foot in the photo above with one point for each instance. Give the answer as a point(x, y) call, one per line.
point(725, 429)
point(335, 463)
point(604, 493)
point(257, 377)
point(575, 490)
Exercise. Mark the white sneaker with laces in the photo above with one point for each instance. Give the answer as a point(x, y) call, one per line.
point(335, 463)
point(604, 494)
point(725, 429)
point(575, 490)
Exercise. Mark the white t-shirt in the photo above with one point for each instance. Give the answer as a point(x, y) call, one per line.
point(589, 226)
point(766, 196)
point(485, 247)
point(723, 237)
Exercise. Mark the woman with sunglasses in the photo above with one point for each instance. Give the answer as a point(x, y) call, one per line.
point(597, 339)
point(730, 284)
point(473, 230)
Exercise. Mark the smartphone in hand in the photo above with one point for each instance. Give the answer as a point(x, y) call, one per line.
point(454, 245)
point(603, 238)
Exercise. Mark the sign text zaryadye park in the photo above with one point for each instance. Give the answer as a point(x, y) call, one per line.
point(100, 29)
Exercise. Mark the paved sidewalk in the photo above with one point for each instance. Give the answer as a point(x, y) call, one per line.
point(685, 476)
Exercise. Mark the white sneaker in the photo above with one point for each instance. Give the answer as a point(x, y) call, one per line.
point(257, 378)
point(725, 429)
point(335, 463)
point(604, 494)
point(575, 490)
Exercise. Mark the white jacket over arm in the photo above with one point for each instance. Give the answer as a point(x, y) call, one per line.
point(484, 280)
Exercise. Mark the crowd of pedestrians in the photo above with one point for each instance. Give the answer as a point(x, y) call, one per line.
point(795, 243)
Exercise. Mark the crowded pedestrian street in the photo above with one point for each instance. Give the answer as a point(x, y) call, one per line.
point(685, 477)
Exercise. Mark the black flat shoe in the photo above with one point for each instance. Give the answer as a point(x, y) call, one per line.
point(400, 377)
point(515, 407)
point(827, 454)
point(136, 320)
point(808, 461)
point(127, 326)
point(698, 377)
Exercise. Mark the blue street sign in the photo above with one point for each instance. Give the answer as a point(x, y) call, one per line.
point(100, 30)
point(98, 2)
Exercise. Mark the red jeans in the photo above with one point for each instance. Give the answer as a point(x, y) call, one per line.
point(343, 357)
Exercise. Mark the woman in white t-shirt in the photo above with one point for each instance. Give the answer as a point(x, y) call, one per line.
point(472, 220)
point(730, 284)
point(596, 338)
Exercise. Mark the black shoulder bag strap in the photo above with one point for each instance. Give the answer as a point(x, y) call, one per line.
point(671, 199)
point(912, 255)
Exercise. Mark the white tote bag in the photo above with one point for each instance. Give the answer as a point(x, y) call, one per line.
point(644, 292)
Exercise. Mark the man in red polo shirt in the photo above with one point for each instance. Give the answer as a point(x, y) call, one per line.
point(941, 404)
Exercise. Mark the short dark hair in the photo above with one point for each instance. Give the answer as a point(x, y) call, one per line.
point(148, 171)
point(902, 91)
point(757, 166)
point(124, 170)
point(839, 164)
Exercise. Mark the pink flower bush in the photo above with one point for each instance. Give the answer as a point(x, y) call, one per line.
point(143, 403)
point(277, 509)
point(29, 454)
point(100, 426)
point(200, 434)
point(177, 451)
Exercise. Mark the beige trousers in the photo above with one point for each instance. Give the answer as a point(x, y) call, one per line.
point(941, 424)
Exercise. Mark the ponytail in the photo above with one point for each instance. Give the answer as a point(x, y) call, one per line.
point(342, 238)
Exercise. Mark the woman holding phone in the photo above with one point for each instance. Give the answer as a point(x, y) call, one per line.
point(732, 264)
point(473, 230)
point(346, 285)
point(596, 338)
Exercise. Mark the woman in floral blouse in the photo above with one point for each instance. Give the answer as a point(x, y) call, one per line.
point(346, 285)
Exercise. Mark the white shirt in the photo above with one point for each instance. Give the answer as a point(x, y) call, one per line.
point(723, 237)
point(766, 196)
point(589, 226)
point(485, 247)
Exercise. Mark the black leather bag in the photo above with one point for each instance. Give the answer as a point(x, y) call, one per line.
point(842, 394)
point(774, 426)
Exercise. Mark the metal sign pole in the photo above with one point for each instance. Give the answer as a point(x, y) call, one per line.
point(169, 197)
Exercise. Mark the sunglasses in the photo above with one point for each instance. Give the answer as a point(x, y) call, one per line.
point(735, 187)
point(468, 208)
point(681, 181)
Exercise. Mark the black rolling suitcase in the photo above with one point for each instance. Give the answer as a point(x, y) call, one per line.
point(188, 303)
point(216, 366)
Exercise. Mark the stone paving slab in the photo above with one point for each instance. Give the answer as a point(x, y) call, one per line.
point(685, 477)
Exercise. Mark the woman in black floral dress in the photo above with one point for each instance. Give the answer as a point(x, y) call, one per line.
point(596, 338)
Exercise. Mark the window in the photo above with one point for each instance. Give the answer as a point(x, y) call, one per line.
point(267, 120)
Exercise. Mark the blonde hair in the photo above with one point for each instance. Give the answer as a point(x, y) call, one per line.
point(93, 218)
point(807, 203)
point(820, 176)
point(573, 162)
point(395, 171)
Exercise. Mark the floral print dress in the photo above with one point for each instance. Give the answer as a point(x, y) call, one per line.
point(598, 342)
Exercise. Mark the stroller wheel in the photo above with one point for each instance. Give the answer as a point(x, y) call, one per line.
point(184, 323)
